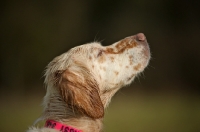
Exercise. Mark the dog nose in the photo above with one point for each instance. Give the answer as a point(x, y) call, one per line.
point(140, 37)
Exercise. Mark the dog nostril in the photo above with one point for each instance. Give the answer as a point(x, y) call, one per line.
point(140, 37)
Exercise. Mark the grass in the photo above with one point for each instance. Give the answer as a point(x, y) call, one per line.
point(126, 113)
point(154, 114)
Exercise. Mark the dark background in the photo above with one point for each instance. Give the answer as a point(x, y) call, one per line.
point(34, 32)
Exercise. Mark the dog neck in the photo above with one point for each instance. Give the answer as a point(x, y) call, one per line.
point(55, 108)
point(58, 110)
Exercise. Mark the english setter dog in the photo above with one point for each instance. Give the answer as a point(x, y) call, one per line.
point(81, 82)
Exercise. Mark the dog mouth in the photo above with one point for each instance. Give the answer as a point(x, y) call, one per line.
point(139, 41)
point(136, 46)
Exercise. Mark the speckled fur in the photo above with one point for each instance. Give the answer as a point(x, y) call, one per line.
point(81, 82)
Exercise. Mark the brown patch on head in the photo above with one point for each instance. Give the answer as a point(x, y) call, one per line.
point(112, 59)
point(80, 91)
point(137, 67)
point(104, 68)
point(92, 66)
point(101, 57)
point(109, 50)
point(116, 72)
point(130, 56)
point(126, 43)
point(131, 59)
point(122, 45)
point(127, 66)
point(90, 57)
point(131, 77)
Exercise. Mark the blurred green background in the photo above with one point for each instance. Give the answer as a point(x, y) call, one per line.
point(166, 98)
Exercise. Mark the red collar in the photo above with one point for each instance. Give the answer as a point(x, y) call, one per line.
point(59, 126)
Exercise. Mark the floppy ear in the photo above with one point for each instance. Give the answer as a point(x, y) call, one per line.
point(80, 90)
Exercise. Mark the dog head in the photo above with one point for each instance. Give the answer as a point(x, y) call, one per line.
point(87, 76)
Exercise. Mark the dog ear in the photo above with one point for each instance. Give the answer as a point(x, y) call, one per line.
point(80, 90)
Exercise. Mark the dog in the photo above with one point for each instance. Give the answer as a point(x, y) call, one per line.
point(81, 82)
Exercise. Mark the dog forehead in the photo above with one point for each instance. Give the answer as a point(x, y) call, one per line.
point(92, 46)
point(87, 49)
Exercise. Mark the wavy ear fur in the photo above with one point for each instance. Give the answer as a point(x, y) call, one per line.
point(80, 90)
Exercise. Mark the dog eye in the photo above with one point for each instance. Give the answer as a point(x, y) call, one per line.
point(100, 53)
